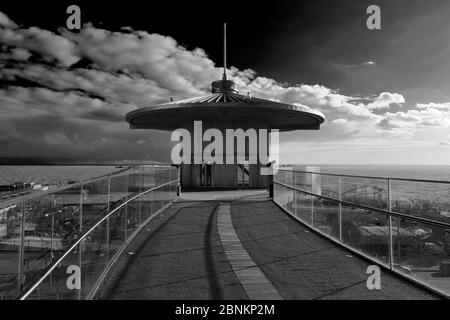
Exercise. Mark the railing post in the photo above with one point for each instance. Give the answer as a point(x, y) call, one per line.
point(21, 248)
point(80, 246)
point(340, 209)
point(312, 202)
point(53, 226)
point(52, 237)
point(140, 198)
point(107, 220)
point(391, 251)
point(126, 212)
point(295, 193)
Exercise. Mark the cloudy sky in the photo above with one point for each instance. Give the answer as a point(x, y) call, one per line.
point(385, 93)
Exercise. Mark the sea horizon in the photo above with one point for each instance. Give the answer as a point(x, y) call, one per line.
point(54, 174)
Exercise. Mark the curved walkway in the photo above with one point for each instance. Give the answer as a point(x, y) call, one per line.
point(179, 255)
point(252, 279)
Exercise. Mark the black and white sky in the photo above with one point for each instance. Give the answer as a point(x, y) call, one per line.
point(385, 93)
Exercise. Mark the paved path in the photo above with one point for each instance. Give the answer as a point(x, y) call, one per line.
point(252, 279)
point(179, 255)
point(176, 256)
point(304, 265)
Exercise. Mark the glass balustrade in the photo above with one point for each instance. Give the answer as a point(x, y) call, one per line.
point(401, 224)
point(57, 244)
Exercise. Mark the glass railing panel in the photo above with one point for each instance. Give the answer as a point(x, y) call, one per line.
point(288, 200)
point(302, 181)
point(326, 185)
point(366, 231)
point(10, 239)
point(51, 223)
point(95, 202)
point(173, 190)
point(365, 191)
point(148, 180)
point(151, 204)
point(134, 181)
point(118, 188)
point(326, 216)
point(94, 258)
point(66, 215)
point(288, 177)
point(133, 218)
point(422, 199)
point(146, 206)
point(166, 194)
point(158, 200)
point(281, 196)
point(62, 282)
point(422, 252)
point(304, 207)
point(276, 192)
point(117, 234)
point(277, 176)
point(419, 249)
point(41, 236)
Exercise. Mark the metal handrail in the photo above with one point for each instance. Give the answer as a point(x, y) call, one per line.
point(38, 194)
point(53, 266)
point(365, 207)
point(366, 177)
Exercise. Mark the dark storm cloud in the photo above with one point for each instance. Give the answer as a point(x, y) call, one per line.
point(64, 95)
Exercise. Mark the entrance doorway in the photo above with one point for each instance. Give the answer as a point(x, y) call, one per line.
point(205, 175)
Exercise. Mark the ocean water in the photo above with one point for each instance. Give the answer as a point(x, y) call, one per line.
point(440, 173)
point(407, 196)
point(51, 175)
point(62, 174)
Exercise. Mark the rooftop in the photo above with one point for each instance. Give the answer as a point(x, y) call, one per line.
point(226, 105)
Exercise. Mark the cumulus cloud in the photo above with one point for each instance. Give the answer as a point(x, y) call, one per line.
point(50, 46)
point(420, 119)
point(385, 100)
point(439, 106)
point(65, 94)
point(6, 22)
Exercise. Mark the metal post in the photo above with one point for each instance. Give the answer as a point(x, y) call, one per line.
point(126, 214)
point(107, 220)
point(51, 239)
point(126, 222)
point(295, 193)
point(312, 202)
point(391, 253)
point(340, 209)
point(80, 245)
point(21, 248)
point(140, 198)
point(53, 225)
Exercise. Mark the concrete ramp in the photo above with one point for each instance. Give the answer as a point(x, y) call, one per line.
point(228, 243)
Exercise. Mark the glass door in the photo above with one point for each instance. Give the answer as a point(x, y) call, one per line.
point(243, 171)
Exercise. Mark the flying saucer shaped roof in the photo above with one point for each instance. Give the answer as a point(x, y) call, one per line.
point(225, 105)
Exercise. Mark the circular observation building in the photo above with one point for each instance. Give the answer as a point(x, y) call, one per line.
point(225, 109)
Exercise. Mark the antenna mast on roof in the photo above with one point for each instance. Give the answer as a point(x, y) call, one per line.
point(224, 51)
